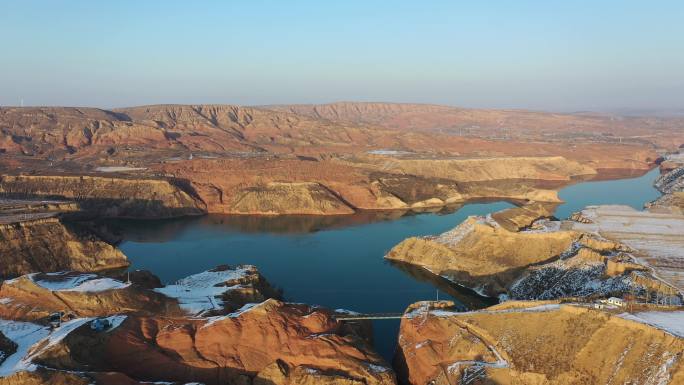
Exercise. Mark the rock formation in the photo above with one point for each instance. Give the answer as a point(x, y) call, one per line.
point(537, 343)
point(482, 255)
point(267, 343)
point(671, 185)
point(657, 238)
point(47, 245)
point(34, 297)
point(173, 160)
point(107, 196)
point(549, 259)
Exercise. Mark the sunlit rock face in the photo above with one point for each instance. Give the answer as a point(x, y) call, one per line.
point(267, 343)
point(537, 343)
point(49, 245)
point(34, 297)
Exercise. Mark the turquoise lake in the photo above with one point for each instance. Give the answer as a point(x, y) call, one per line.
point(336, 262)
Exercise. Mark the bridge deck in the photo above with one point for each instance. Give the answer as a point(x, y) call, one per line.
point(372, 316)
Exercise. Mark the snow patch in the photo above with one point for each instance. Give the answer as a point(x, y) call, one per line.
point(119, 169)
point(65, 281)
point(669, 321)
point(32, 340)
point(198, 293)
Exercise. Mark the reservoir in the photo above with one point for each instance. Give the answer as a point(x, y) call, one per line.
point(337, 262)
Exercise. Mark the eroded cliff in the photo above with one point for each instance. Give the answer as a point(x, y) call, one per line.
point(108, 196)
point(47, 244)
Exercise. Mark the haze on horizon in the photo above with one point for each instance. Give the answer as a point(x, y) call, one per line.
point(562, 56)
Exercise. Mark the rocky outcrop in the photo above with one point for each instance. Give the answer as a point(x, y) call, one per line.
point(524, 217)
point(671, 185)
point(108, 196)
point(47, 245)
point(482, 255)
point(269, 343)
point(585, 274)
point(548, 259)
point(35, 297)
point(219, 291)
point(670, 182)
point(276, 198)
point(535, 343)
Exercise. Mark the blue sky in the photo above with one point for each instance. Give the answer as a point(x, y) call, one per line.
point(546, 54)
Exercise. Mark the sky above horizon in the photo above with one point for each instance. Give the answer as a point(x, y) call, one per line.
point(545, 55)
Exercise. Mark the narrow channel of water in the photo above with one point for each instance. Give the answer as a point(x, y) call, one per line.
point(336, 262)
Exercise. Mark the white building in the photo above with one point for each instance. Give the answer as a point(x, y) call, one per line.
point(616, 301)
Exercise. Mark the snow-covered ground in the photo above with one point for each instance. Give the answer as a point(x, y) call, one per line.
point(388, 152)
point(423, 310)
point(25, 335)
point(660, 237)
point(119, 169)
point(199, 293)
point(33, 339)
point(64, 281)
point(669, 321)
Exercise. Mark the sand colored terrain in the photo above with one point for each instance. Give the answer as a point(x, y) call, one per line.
point(33, 297)
point(270, 343)
point(368, 183)
point(107, 196)
point(497, 123)
point(510, 253)
point(481, 254)
point(25, 300)
point(47, 244)
point(534, 343)
point(249, 160)
point(658, 238)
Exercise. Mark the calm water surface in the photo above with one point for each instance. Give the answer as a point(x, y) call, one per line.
point(336, 262)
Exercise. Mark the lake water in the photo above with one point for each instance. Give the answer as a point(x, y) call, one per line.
point(336, 262)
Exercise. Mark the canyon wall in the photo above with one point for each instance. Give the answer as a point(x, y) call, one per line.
point(107, 196)
point(47, 244)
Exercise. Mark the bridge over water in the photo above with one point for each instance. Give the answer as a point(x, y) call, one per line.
point(368, 316)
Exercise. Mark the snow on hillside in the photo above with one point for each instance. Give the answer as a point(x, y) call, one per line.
point(200, 293)
point(67, 281)
point(669, 321)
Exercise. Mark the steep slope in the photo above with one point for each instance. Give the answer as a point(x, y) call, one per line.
point(108, 196)
point(218, 291)
point(46, 245)
point(535, 343)
point(269, 343)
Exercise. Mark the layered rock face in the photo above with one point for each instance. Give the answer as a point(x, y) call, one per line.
point(535, 343)
point(47, 244)
point(268, 343)
point(108, 197)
